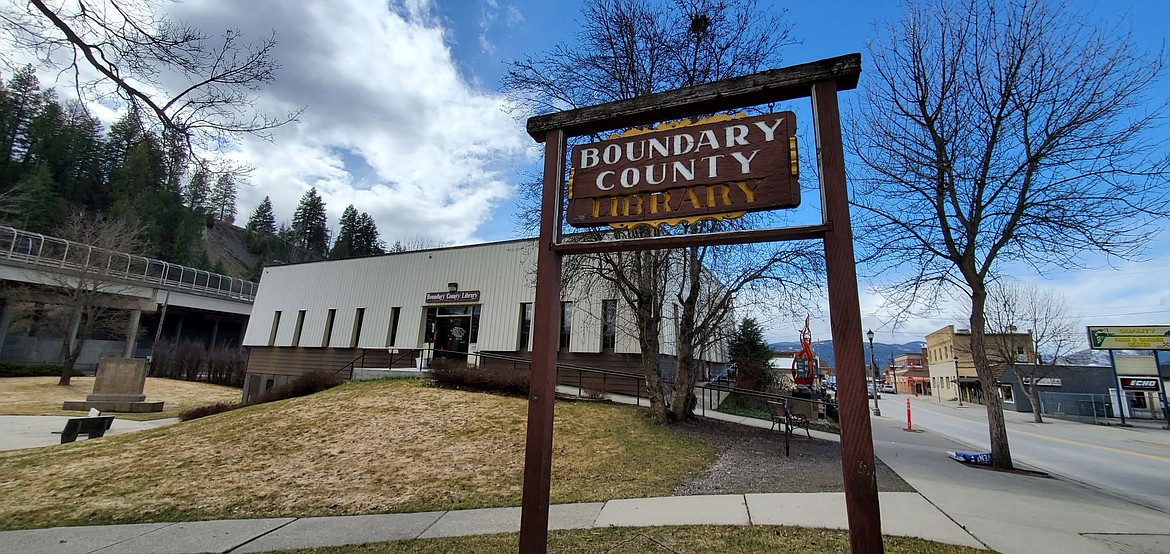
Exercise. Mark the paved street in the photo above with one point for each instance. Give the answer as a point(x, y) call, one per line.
point(1133, 462)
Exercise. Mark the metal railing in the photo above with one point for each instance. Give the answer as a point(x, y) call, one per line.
point(721, 388)
point(605, 376)
point(1082, 407)
point(74, 258)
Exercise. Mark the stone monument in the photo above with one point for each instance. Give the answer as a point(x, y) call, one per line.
point(118, 388)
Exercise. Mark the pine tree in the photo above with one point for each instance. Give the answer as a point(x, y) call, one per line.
point(223, 198)
point(367, 240)
point(751, 355)
point(36, 202)
point(262, 220)
point(197, 193)
point(345, 246)
point(309, 225)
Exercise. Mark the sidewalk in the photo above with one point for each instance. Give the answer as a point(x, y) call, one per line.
point(910, 515)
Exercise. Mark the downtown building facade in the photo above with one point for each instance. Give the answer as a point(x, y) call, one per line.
point(404, 311)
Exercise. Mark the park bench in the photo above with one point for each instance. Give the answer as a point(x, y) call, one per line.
point(91, 427)
point(785, 419)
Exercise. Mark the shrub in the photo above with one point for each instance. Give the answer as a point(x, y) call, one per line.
point(210, 409)
point(456, 375)
point(9, 369)
point(302, 385)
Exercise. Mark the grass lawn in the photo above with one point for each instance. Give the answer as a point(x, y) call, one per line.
point(364, 447)
point(42, 396)
point(691, 539)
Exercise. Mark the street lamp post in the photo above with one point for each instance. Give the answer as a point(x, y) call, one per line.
point(876, 410)
point(958, 391)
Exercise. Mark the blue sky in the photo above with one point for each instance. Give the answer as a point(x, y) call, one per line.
point(483, 38)
point(405, 120)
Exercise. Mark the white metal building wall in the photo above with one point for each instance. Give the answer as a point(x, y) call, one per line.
point(503, 272)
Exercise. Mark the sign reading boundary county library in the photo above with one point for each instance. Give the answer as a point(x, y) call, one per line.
point(1147, 337)
point(714, 168)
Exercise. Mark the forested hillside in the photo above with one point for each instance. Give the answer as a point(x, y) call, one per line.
point(56, 159)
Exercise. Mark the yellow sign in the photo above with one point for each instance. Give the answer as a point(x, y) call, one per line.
point(1145, 337)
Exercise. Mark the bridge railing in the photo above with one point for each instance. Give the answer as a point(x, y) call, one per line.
point(53, 252)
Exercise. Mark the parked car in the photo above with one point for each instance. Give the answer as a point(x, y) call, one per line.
point(873, 391)
point(887, 388)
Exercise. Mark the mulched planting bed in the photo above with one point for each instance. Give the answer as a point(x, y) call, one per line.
point(751, 460)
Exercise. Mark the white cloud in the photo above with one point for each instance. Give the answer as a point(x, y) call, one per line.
point(384, 99)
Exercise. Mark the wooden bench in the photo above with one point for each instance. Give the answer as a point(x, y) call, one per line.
point(785, 419)
point(91, 427)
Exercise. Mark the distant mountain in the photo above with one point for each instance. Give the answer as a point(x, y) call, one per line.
point(882, 352)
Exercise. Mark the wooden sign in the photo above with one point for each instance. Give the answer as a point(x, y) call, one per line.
point(715, 168)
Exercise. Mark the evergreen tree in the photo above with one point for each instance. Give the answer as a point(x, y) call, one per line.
point(345, 245)
point(36, 203)
point(83, 183)
point(309, 225)
point(367, 240)
point(751, 355)
point(262, 219)
point(23, 101)
point(223, 198)
point(197, 192)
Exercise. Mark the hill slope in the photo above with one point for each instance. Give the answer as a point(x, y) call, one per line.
point(368, 447)
point(228, 244)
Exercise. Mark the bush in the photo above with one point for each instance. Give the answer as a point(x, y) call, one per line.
point(456, 375)
point(302, 385)
point(210, 409)
point(9, 369)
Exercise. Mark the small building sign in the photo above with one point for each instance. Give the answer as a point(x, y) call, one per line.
point(1139, 383)
point(715, 168)
point(452, 297)
point(1147, 337)
point(1044, 381)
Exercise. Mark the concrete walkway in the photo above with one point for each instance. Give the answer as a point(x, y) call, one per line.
point(954, 504)
point(907, 514)
point(18, 432)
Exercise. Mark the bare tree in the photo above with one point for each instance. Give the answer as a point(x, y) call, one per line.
point(1004, 132)
point(629, 48)
point(1046, 316)
point(87, 287)
point(199, 89)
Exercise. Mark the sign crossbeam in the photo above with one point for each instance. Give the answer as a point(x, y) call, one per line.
point(773, 85)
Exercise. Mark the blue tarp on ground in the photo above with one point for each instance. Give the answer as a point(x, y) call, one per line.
point(981, 458)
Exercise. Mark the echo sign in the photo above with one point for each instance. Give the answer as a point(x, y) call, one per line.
point(714, 168)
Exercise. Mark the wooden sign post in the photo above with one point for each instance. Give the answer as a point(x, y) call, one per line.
point(687, 172)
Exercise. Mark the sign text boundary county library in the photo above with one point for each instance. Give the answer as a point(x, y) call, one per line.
point(717, 167)
point(1136, 337)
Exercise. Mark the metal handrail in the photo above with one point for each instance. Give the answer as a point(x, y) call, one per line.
point(55, 252)
point(639, 380)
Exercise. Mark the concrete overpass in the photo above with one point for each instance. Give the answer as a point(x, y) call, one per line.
point(46, 266)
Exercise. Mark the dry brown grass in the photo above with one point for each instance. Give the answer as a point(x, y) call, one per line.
point(384, 446)
point(764, 539)
point(42, 395)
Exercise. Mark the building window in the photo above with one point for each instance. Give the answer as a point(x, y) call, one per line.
point(328, 336)
point(392, 333)
point(525, 325)
point(566, 324)
point(275, 326)
point(1005, 391)
point(297, 330)
point(608, 324)
point(358, 316)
